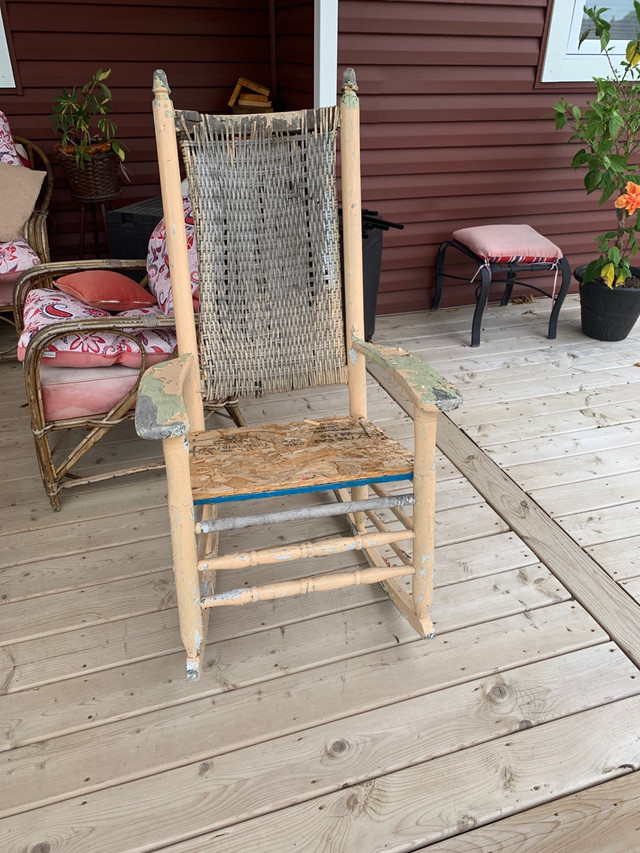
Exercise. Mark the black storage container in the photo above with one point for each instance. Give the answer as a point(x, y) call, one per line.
point(372, 228)
point(130, 227)
point(371, 263)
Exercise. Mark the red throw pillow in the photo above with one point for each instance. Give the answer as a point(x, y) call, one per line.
point(105, 289)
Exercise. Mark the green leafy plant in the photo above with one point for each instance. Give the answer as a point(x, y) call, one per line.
point(608, 129)
point(82, 117)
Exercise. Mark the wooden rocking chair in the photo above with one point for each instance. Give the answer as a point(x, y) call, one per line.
point(266, 216)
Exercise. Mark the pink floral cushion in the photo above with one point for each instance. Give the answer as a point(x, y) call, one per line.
point(14, 258)
point(508, 244)
point(90, 349)
point(158, 261)
point(8, 152)
point(158, 343)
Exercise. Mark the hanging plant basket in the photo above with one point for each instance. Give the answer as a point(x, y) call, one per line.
point(608, 314)
point(99, 179)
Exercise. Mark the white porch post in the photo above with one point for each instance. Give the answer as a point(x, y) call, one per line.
point(325, 53)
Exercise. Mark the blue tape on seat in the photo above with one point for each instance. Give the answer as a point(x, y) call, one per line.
point(301, 490)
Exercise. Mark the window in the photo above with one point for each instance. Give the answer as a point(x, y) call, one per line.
point(563, 62)
point(7, 73)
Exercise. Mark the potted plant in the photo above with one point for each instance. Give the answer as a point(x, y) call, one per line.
point(608, 130)
point(88, 152)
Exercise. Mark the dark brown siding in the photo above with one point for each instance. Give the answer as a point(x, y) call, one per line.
point(294, 53)
point(203, 45)
point(455, 134)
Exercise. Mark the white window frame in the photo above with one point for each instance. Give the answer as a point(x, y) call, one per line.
point(563, 61)
point(7, 76)
point(325, 52)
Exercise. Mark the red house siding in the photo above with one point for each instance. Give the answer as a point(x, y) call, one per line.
point(203, 45)
point(294, 53)
point(454, 133)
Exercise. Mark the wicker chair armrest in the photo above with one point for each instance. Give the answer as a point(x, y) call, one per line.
point(43, 275)
point(160, 409)
point(38, 236)
point(424, 386)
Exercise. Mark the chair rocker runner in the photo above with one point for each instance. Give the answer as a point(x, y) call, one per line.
point(271, 320)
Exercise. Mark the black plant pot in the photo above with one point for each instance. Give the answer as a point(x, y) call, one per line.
point(608, 314)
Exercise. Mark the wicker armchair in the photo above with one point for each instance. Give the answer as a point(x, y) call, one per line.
point(36, 231)
point(73, 408)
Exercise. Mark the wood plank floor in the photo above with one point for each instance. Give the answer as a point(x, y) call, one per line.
point(323, 724)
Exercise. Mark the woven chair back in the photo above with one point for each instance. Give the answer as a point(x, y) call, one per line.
point(265, 210)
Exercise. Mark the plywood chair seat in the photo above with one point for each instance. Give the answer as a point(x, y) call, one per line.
point(271, 305)
point(234, 464)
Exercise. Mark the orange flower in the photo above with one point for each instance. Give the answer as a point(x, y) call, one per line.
point(629, 200)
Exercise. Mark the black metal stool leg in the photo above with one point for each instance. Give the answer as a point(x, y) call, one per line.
point(437, 294)
point(508, 287)
point(483, 295)
point(565, 269)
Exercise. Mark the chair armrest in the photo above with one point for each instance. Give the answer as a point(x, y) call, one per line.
point(425, 387)
point(42, 276)
point(160, 409)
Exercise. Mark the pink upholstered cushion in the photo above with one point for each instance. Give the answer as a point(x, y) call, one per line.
point(508, 244)
point(90, 349)
point(8, 153)
point(44, 307)
point(106, 289)
point(71, 392)
point(15, 257)
point(158, 261)
point(159, 344)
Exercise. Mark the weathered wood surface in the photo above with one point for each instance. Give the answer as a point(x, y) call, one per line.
point(320, 722)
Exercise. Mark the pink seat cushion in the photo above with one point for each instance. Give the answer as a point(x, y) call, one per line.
point(508, 244)
point(72, 392)
point(90, 349)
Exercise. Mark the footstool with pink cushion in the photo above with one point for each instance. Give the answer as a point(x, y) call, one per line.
point(508, 251)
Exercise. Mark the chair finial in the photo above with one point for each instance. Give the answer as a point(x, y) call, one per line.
point(160, 80)
point(349, 80)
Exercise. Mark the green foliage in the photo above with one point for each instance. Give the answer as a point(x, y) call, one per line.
point(608, 131)
point(82, 117)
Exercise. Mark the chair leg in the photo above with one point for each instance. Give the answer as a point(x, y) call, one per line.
point(565, 269)
point(437, 295)
point(508, 288)
point(233, 410)
point(50, 479)
point(424, 488)
point(185, 552)
point(481, 304)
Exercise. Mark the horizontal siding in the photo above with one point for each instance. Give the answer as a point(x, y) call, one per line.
point(294, 42)
point(203, 45)
point(455, 134)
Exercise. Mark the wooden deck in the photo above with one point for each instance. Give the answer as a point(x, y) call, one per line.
point(323, 724)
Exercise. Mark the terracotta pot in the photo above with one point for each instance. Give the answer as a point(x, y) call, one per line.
point(608, 313)
point(99, 179)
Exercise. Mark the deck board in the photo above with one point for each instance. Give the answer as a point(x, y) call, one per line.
point(323, 723)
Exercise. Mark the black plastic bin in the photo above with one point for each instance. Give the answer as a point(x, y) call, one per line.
point(131, 227)
point(372, 228)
